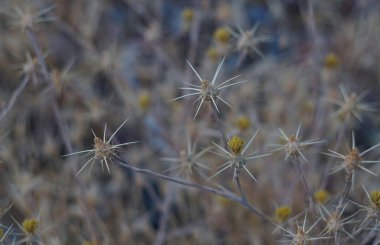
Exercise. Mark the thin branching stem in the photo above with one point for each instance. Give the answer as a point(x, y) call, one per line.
point(14, 97)
point(226, 195)
point(220, 127)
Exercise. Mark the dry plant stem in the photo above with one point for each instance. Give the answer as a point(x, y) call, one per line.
point(220, 127)
point(14, 97)
point(302, 176)
point(227, 195)
point(372, 235)
point(33, 40)
point(242, 194)
point(346, 190)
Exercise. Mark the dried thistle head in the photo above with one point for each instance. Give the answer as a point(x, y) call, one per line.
point(352, 107)
point(103, 150)
point(334, 221)
point(302, 235)
point(208, 91)
point(293, 145)
point(188, 160)
point(28, 18)
point(353, 160)
point(248, 41)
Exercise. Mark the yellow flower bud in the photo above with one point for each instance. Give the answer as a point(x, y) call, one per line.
point(30, 226)
point(222, 35)
point(282, 213)
point(375, 199)
point(236, 144)
point(331, 61)
point(321, 196)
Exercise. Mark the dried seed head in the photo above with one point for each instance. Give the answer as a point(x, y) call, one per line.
point(102, 149)
point(333, 223)
point(292, 147)
point(375, 199)
point(30, 226)
point(236, 145)
point(222, 35)
point(321, 196)
point(243, 123)
point(352, 160)
point(301, 238)
point(282, 213)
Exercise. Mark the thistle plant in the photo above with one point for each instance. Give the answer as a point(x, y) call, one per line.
point(27, 19)
point(208, 91)
point(188, 161)
point(293, 146)
point(236, 156)
point(248, 41)
point(334, 221)
point(103, 151)
point(351, 107)
point(353, 160)
point(372, 208)
point(302, 235)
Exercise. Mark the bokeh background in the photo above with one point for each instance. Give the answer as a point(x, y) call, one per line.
point(71, 66)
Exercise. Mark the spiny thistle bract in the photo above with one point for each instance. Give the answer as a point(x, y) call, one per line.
point(352, 107)
point(103, 150)
point(334, 221)
point(302, 235)
point(237, 159)
point(208, 91)
point(353, 160)
point(248, 41)
point(188, 160)
point(293, 145)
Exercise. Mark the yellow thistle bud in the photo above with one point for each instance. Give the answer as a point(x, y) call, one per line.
point(331, 61)
point(187, 14)
point(375, 199)
point(243, 123)
point(212, 54)
point(88, 243)
point(222, 35)
point(144, 100)
point(321, 196)
point(30, 226)
point(1, 233)
point(282, 213)
point(236, 144)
